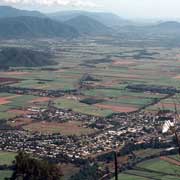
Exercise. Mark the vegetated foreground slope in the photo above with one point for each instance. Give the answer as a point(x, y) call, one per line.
point(14, 57)
point(30, 27)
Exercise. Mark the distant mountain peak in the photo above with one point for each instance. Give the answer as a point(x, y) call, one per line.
point(88, 26)
point(172, 24)
point(107, 18)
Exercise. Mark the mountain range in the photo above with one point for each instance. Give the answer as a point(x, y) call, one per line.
point(7, 11)
point(108, 19)
point(31, 27)
point(16, 23)
point(169, 25)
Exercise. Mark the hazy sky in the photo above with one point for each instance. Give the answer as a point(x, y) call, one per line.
point(125, 8)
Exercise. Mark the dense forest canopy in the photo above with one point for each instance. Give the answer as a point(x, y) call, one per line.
point(21, 57)
point(26, 167)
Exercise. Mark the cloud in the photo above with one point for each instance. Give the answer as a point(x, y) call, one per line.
point(73, 3)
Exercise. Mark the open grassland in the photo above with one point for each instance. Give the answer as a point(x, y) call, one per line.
point(67, 128)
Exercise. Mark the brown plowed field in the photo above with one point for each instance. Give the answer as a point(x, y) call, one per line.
point(18, 112)
point(3, 101)
point(125, 63)
point(6, 100)
point(125, 109)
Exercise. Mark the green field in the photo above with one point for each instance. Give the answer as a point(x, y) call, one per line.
point(123, 97)
point(63, 84)
point(6, 158)
point(152, 169)
point(81, 107)
point(124, 176)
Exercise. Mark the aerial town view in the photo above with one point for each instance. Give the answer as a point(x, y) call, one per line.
point(89, 90)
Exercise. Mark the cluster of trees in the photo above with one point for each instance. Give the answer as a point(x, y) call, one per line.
point(17, 57)
point(88, 172)
point(130, 147)
point(106, 59)
point(154, 89)
point(91, 101)
point(29, 168)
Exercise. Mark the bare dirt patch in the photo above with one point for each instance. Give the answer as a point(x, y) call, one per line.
point(4, 101)
point(18, 122)
point(177, 77)
point(15, 73)
point(18, 112)
point(125, 109)
point(120, 62)
point(67, 128)
point(170, 160)
point(6, 81)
